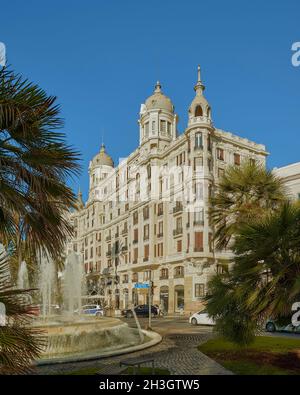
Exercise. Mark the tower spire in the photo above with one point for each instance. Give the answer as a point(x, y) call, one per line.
point(199, 87)
point(157, 87)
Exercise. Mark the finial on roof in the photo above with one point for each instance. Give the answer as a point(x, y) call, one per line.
point(199, 87)
point(157, 87)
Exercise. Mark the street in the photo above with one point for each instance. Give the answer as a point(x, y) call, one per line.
point(170, 325)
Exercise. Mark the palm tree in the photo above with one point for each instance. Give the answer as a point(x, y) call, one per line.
point(35, 162)
point(245, 192)
point(20, 343)
point(265, 278)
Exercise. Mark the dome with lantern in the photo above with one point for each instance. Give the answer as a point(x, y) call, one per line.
point(159, 101)
point(102, 158)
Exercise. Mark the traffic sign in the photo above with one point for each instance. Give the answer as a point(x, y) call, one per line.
point(141, 285)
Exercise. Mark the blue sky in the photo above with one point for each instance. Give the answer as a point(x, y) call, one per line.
point(102, 59)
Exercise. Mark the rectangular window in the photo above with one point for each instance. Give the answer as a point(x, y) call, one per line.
point(237, 159)
point(198, 140)
point(160, 249)
point(146, 252)
point(220, 172)
point(147, 129)
point(179, 245)
point(135, 235)
point(135, 218)
point(153, 127)
point(160, 229)
point(199, 191)
point(179, 223)
point(135, 255)
point(135, 277)
point(198, 241)
point(146, 232)
point(169, 128)
point(160, 209)
point(199, 216)
point(163, 128)
point(199, 290)
point(220, 153)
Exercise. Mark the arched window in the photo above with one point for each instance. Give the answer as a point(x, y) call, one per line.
point(198, 111)
point(209, 112)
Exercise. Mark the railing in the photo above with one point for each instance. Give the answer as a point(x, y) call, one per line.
point(198, 147)
point(164, 277)
point(108, 253)
point(108, 238)
point(125, 248)
point(124, 232)
point(146, 259)
point(202, 119)
point(177, 231)
point(160, 235)
point(198, 249)
point(135, 241)
point(178, 208)
point(199, 223)
point(179, 275)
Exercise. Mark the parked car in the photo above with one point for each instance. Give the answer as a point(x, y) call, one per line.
point(201, 318)
point(141, 310)
point(274, 326)
point(92, 309)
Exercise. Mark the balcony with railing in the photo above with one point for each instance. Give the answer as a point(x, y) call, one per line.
point(108, 253)
point(179, 273)
point(177, 231)
point(135, 241)
point(164, 276)
point(108, 238)
point(199, 222)
point(160, 235)
point(124, 248)
point(160, 212)
point(201, 120)
point(178, 208)
point(124, 231)
point(146, 259)
point(198, 147)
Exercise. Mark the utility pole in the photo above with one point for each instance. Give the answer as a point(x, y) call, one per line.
point(150, 302)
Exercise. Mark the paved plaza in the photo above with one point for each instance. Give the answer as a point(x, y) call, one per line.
point(177, 352)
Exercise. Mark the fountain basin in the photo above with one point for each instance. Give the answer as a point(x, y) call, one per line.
point(87, 338)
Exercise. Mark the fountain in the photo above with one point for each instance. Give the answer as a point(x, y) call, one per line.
point(23, 281)
point(72, 336)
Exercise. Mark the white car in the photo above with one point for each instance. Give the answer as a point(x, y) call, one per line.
point(201, 318)
point(92, 309)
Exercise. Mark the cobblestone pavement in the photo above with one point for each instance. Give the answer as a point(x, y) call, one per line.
point(177, 352)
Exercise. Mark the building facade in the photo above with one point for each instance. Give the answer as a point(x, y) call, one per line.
point(147, 218)
point(291, 177)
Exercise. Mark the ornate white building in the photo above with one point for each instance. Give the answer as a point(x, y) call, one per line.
point(146, 219)
point(291, 177)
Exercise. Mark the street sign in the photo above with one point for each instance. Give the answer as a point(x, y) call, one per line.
point(141, 285)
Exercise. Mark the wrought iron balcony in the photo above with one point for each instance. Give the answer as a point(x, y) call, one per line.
point(177, 231)
point(178, 208)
